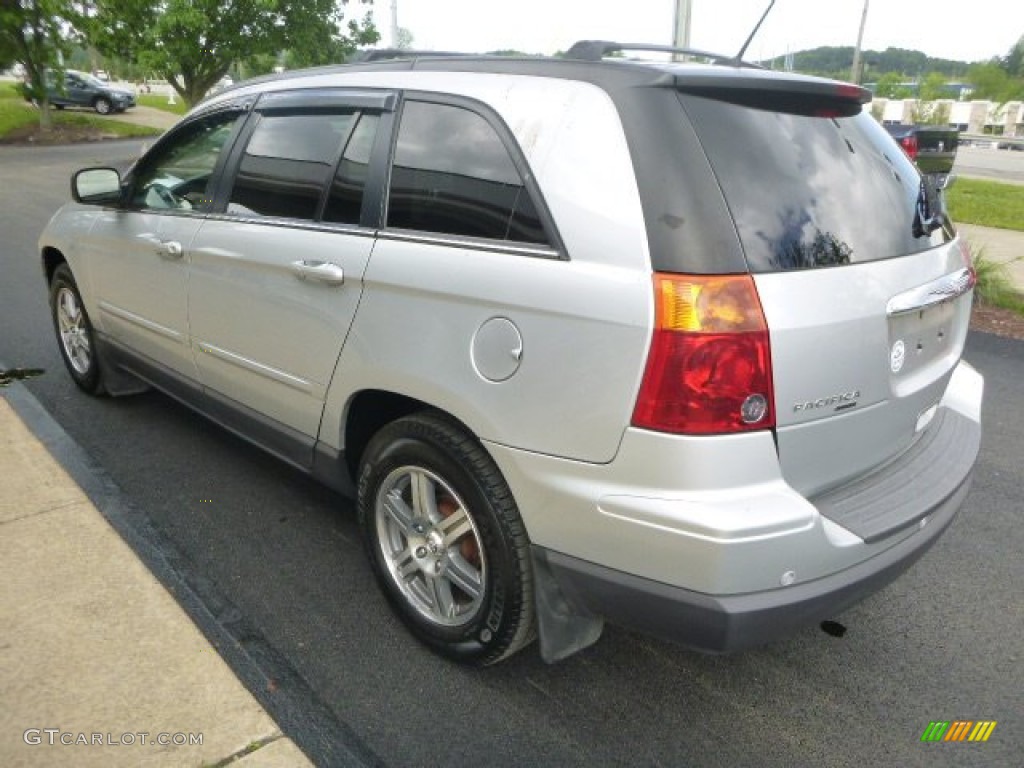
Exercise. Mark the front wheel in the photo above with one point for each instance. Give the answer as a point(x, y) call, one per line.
point(445, 539)
point(102, 106)
point(74, 331)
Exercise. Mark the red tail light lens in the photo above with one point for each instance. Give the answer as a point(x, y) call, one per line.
point(709, 367)
point(968, 257)
point(909, 144)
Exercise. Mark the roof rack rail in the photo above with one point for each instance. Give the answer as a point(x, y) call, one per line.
point(384, 54)
point(595, 50)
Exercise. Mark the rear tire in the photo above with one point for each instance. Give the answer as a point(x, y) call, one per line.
point(75, 336)
point(445, 539)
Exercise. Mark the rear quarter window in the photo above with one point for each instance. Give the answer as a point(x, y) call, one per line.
point(453, 175)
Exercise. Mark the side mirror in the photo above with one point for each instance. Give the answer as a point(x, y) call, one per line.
point(96, 186)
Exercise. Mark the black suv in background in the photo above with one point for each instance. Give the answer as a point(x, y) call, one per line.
point(83, 90)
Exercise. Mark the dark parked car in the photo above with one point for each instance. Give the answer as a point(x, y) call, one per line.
point(81, 89)
point(931, 147)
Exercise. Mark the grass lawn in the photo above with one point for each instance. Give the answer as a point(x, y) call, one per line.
point(159, 101)
point(17, 117)
point(990, 204)
point(987, 203)
point(14, 111)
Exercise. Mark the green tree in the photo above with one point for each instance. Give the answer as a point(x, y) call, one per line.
point(404, 40)
point(1013, 62)
point(8, 52)
point(888, 85)
point(933, 87)
point(37, 34)
point(193, 43)
point(990, 81)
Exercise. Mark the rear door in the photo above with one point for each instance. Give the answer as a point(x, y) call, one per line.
point(867, 298)
point(277, 275)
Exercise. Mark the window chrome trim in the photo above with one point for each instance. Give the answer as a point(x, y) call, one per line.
point(470, 243)
point(946, 288)
point(334, 228)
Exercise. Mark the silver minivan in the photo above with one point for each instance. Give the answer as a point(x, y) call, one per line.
point(675, 346)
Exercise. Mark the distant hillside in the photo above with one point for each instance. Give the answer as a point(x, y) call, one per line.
point(836, 62)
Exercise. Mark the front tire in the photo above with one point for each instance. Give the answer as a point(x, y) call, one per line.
point(74, 332)
point(102, 106)
point(445, 539)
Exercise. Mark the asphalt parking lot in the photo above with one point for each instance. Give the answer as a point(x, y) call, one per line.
point(276, 561)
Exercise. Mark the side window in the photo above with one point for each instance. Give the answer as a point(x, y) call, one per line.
point(178, 173)
point(346, 200)
point(453, 175)
point(288, 163)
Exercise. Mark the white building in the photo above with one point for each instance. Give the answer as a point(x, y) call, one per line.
point(981, 117)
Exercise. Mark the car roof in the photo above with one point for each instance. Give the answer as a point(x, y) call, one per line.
point(592, 67)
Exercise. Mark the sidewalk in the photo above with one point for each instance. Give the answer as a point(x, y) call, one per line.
point(1001, 245)
point(98, 663)
point(149, 116)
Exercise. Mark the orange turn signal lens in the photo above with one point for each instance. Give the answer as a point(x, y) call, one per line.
point(708, 304)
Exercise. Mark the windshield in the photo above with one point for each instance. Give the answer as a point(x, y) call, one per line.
point(91, 80)
point(810, 192)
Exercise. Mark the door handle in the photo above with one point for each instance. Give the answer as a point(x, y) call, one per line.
point(321, 271)
point(169, 249)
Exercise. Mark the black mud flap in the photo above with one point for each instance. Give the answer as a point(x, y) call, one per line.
point(564, 625)
point(116, 380)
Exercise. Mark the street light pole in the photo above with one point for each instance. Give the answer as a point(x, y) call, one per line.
point(394, 23)
point(681, 26)
point(855, 73)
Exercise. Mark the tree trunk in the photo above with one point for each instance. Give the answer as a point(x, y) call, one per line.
point(45, 115)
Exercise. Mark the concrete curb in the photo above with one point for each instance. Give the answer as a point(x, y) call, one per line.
point(100, 663)
point(107, 638)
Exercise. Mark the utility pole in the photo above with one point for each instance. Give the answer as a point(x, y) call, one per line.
point(681, 26)
point(855, 73)
point(394, 23)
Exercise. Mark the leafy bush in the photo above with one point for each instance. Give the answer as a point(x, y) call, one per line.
point(994, 286)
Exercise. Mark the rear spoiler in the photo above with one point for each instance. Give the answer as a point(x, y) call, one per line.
point(776, 91)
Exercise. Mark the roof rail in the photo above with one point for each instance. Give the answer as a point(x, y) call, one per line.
point(383, 54)
point(595, 50)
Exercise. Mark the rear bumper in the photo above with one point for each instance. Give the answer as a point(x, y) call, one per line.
point(717, 623)
point(705, 543)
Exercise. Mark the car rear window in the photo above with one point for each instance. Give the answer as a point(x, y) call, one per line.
point(808, 191)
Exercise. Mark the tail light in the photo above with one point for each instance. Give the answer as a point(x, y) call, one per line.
point(909, 144)
point(709, 366)
point(968, 257)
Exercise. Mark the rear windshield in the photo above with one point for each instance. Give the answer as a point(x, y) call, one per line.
point(809, 192)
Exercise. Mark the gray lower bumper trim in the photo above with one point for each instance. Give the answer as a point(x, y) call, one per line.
point(734, 622)
point(899, 494)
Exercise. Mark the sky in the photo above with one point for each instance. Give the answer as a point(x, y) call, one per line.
point(965, 30)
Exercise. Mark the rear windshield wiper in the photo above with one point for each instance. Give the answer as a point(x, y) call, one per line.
point(929, 212)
